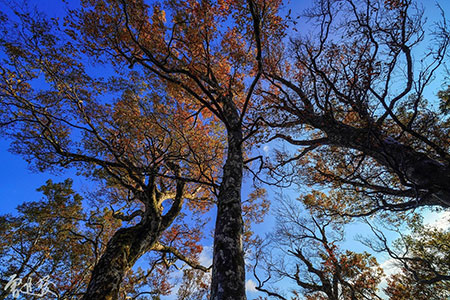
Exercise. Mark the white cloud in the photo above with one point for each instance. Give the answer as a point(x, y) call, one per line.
point(390, 267)
point(440, 220)
point(205, 257)
point(266, 149)
point(250, 286)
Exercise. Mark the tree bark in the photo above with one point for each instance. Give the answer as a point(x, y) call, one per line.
point(228, 273)
point(429, 177)
point(122, 251)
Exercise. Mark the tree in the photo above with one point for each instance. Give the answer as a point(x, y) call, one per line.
point(122, 131)
point(209, 55)
point(35, 242)
point(195, 285)
point(444, 96)
point(305, 251)
point(422, 255)
point(189, 75)
point(352, 101)
point(56, 237)
point(179, 124)
point(403, 286)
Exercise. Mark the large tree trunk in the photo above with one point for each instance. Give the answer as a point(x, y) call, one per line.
point(228, 273)
point(430, 178)
point(122, 251)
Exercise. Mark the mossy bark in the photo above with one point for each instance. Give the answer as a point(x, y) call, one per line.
point(122, 251)
point(228, 273)
point(429, 177)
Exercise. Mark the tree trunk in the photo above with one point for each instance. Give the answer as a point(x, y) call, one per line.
point(122, 251)
point(228, 273)
point(430, 178)
point(425, 173)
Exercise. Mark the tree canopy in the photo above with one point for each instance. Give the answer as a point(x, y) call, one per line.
point(163, 105)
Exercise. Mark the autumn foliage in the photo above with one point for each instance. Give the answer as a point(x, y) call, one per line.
point(162, 107)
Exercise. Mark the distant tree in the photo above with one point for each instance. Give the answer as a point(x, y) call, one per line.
point(422, 255)
point(53, 236)
point(403, 286)
point(195, 285)
point(305, 252)
point(444, 96)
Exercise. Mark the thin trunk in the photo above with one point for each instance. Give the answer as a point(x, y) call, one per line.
point(122, 251)
point(228, 274)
